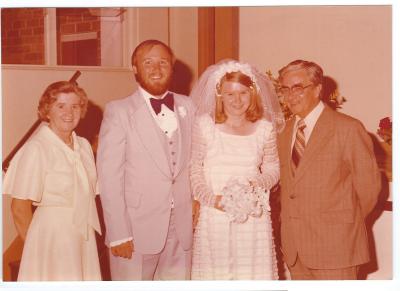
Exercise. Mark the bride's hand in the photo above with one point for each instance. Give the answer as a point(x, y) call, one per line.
point(253, 183)
point(217, 204)
point(195, 212)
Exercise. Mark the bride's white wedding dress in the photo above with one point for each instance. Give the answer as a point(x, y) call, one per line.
point(222, 249)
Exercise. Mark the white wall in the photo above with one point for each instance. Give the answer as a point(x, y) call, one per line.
point(183, 38)
point(351, 43)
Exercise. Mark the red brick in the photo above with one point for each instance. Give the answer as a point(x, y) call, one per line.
point(6, 11)
point(35, 61)
point(33, 58)
point(33, 22)
point(13, 41)
point(69, 11)
point(5, 22)
point(11, 59)
point(38, 47)
point(7, 50)
point(31, 39)
point(37, 11)
point(19, 24)
point(62, 19)
point(20, 12)
point(6, 19)
point(13, 33)
point(67, 28)
point(37, 39)
point(21, 49)
point(16, 49)
point(74, 18)
point(26, 39)
point(15, 13)
point(26, 31)
point(83, 27)
point(96, 26)
point(89, 17)
point(38, 31)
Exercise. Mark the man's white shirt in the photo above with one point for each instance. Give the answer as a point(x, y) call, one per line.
point(166, 119)
point(310, 120)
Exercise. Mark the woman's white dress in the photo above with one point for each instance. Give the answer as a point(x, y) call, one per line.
point(60, 243)
point(222, 249)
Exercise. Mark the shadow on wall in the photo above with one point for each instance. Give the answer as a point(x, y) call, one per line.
point(182, 78)
point(330, 93)
point(331, 97)
point(275, 203)
point(89, 126)
point(384, 159)
point(382, 205)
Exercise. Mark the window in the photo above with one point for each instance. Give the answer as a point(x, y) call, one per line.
point(78, 37)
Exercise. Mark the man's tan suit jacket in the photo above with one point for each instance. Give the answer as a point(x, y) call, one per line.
point(324, 204)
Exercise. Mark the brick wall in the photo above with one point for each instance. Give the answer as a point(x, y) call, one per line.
point(22, 35)
point(76, 21)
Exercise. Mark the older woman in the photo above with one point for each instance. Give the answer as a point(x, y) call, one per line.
point(55, 171)
point(234, 164)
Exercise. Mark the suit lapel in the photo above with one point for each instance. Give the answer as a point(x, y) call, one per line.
point(287, 144)
point(319, 137)
point(143, 122)
point(184, 134)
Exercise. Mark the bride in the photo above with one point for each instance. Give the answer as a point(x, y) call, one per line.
point(234, 164)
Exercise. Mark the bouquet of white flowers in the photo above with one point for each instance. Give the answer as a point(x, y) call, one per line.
point(240, 200)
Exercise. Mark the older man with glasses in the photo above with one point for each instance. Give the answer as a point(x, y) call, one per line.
point(329, 181)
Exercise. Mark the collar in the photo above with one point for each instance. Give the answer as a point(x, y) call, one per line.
point(311, 119)
point(45, 131)
point(146, 95)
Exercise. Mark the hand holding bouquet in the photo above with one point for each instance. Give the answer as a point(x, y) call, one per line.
point(241, 199)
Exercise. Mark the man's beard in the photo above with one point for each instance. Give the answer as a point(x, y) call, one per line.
point(156, 89)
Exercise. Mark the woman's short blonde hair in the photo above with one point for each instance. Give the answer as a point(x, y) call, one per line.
point(255, 110)
point(51, 93)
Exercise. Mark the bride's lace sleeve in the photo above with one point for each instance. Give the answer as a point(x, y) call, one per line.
point(200, 189)
point(269, 168)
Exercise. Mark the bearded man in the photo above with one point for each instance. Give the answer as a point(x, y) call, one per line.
point(142, 160)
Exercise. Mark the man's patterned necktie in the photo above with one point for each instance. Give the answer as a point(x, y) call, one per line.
point(299, 144)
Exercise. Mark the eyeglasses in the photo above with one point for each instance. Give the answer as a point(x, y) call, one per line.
point(296, 89)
